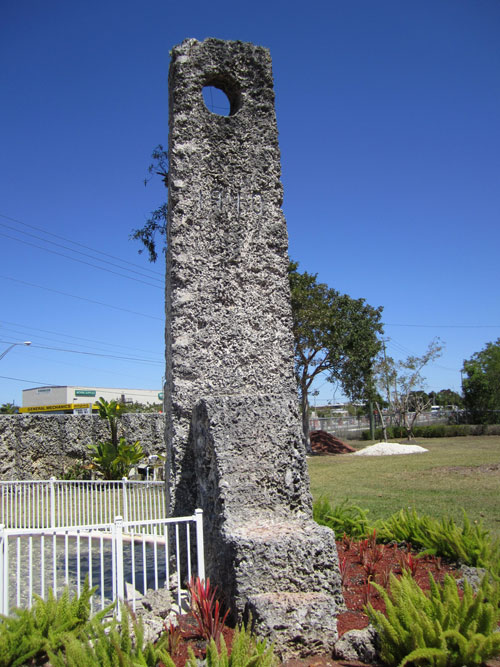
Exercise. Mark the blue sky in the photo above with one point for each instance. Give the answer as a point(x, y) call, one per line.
point(388, 119)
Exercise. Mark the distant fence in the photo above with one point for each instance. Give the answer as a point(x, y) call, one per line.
point(349, 427)
point(55, 533)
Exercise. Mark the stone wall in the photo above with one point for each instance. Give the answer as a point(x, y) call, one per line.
point(37, 446)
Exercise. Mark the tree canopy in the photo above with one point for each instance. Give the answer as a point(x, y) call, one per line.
point(334, 335)
point(401, 382)
point(156, 224)
point(481, 385)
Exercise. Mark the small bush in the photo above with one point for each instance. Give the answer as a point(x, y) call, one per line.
point(246, 651)
point(440, 628)
point(30, 634)
point(470, 544)
point(111, 646)
point(436, 431)
point(206, 609)
point(343, 518)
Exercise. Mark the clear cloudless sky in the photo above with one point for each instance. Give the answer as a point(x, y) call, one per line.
point(388, 113)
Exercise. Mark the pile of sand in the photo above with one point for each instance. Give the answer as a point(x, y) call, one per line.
point(389, 449)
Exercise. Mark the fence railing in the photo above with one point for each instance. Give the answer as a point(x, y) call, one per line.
point(53, 503)
point(123, 559)
point(348, 426)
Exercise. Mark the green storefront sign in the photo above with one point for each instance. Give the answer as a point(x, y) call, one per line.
point(84, 392)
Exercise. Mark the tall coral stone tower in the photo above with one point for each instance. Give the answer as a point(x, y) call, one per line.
point(234, 442)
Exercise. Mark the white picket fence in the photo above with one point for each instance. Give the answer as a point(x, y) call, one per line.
point(122, 557)
point(53, 503)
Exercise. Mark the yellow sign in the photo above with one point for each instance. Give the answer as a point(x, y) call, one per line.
point(53, 408)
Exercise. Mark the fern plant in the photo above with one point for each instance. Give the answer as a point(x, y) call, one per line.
point(470, 544)
point(344, 518)
point(31, 633)
point(439, 629)
point(246, 651)
point(112, 646)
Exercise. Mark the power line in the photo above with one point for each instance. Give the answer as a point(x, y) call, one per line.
point(78, 252)
point(93, 354)
point(447, 326)
point(81, 298)
point(45, 384)
point(81, 245)
point(81, 261)
point(26, 327)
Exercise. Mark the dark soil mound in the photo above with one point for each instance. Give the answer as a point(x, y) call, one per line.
point(325, 443)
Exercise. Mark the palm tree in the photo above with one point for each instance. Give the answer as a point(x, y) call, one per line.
point(9, 409)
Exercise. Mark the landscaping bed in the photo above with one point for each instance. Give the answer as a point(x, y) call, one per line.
point(357, 563)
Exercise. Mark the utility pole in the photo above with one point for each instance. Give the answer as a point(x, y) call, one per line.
point(387, 387)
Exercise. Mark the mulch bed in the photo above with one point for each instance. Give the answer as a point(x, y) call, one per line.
point(356, 594)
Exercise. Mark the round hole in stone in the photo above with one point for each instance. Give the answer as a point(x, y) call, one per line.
point(216, 100)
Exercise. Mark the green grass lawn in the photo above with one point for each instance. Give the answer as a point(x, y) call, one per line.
point(455, 473)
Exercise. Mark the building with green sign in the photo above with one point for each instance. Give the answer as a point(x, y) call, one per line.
point(77, 399)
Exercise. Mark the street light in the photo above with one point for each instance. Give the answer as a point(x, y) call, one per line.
point(26, 342)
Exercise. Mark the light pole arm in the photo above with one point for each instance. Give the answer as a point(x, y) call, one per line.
point(7, 350)
point(28, 342)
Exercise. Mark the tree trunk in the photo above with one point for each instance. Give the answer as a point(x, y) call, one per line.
point(372, 420)
point(305, 417)
point(382, 421)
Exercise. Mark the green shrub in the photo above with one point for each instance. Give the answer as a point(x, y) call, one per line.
point(435, 431)
point(470, 544)
point(440, 628)
point(111, 646)
point(113, 458)
point(246, 651)
point(30, 634)
point(343, 518)
point(114, 462)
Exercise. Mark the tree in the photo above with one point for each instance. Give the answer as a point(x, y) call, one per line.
point(481, 386)
point(9, 409)
point(114, 458)
point(333, 334)
point(402, 383)
point(157, 221)
point(445, 397)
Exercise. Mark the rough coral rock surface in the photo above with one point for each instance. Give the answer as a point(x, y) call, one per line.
point(234, 444)
point(362, 645)
point(36, 446)
point(228, 308)
point(299, 624)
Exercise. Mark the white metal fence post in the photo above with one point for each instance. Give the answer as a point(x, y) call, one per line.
point(118, 546)
point(200, 549)
point(125, 499)
point(4, 571)
point(52, 486)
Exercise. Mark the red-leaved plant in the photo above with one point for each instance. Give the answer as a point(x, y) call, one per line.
point(343, 567)
point(206, 609)
point(408, 563)
point(173, 636)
